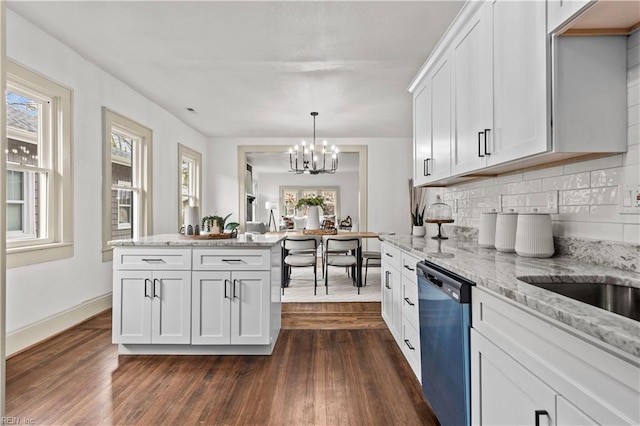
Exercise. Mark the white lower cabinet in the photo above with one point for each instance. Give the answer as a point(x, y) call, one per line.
point(527, 369)
point(400, 303)
point(152, 307)
point(230, 307)
point(196, 301)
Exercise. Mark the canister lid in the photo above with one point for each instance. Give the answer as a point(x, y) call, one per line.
point(534, 212)
point(508, 212)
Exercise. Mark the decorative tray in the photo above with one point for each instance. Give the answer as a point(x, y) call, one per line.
point(330, 231)
point(210, 236)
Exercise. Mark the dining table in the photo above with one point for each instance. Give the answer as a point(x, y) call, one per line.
point(340, 233)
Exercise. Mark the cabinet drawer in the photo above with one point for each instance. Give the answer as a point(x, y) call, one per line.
point(227, 260)
point(411, 347)
point(410, 301)
point(391, 255)
point(409, 266)
point(151, 259)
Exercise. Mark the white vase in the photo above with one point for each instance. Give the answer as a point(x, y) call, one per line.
point(419, 231)
point(313, 218)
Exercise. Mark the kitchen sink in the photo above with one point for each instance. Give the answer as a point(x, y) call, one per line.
point(619, 299)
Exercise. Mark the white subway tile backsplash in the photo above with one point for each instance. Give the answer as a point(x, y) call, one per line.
point(631, 234)
point(633, 95)
point(596, 231)
point(608, 195)
point(574, 213)
point(516, 177)
point(573, 181)
point(608, 177)
point(579, 197)
point(595, 164)
point(633, 76)
point(633, 117)
point(525, 187)
point(633, 135)
point(543, 173)
point(611, 213)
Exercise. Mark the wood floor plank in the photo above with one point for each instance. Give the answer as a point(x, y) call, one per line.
point(316, 376)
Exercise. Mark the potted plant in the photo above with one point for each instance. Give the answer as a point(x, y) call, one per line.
point(417, 218)
point(416, 199)
point(217, 224)
point(313, 213)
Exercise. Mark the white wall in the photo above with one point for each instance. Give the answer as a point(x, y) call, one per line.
point(38, 292)
point(389, 170)
point(590, 192)
point(269, 190)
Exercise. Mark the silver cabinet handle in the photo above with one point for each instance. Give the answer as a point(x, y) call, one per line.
point(155, 294)
point(387, 274)
point(153, 260)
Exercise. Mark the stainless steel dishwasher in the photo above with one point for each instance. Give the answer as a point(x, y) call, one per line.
point(444, 300)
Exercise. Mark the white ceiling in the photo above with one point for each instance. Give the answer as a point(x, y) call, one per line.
point(257, 69)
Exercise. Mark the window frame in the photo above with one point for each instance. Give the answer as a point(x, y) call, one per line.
point(303, 190)
point(142, 172)
point(184, 152)
point(58, 141)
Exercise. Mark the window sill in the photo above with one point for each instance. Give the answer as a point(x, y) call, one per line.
point(23, 256)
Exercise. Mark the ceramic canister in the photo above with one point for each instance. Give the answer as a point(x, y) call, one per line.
point(534, 236)
point(487, 232)
point(506, 224)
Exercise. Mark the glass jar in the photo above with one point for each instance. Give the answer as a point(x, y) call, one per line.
point(439, 211)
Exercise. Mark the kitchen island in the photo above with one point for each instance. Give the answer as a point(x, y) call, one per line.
point(182, 296)
point(535, 354)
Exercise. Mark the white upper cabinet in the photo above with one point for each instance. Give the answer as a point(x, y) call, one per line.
point(519, 82)
point(433, 125)
point(473, 79)
point(507, 75)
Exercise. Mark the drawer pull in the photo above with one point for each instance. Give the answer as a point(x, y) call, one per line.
point(233, 260)
point(387, 274)
point(388, 254)
point(153, 260)
point(409, 268)
point(408, 343)
point(409, 302)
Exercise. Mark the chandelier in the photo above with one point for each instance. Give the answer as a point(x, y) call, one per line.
point(312, 159)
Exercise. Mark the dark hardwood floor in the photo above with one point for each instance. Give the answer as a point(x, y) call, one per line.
point(333, 364)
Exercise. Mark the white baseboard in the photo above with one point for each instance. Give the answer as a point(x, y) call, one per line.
point(34, 333)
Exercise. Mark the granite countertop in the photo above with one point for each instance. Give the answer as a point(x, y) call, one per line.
point(499, 272)
point(177, 240)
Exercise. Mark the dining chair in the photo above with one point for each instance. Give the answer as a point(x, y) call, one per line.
point(370, 258)
point(343, 251)
point(299, 252)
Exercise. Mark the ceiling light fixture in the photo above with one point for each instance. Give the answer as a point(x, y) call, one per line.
point(305, 159)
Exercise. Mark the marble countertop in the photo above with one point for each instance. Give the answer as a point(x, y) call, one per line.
point(177, 240)
point(499, 272)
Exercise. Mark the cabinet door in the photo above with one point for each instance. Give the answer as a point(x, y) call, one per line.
point(520, 81)
point(422, 133)
point(395, 281)
point(387, 297)
point(473, 100)
point(132, 306)
point(211, 308)
point(440, 164)
point(171, 307)
point(568, 414)
point(250, 302)
point(505, 392)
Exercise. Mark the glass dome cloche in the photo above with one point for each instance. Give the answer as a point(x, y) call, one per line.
point(439, 213)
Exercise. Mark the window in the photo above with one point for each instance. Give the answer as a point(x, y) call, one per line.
point(127, 177)
point(190, 178)
point(39, 195)
point(290, 195)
